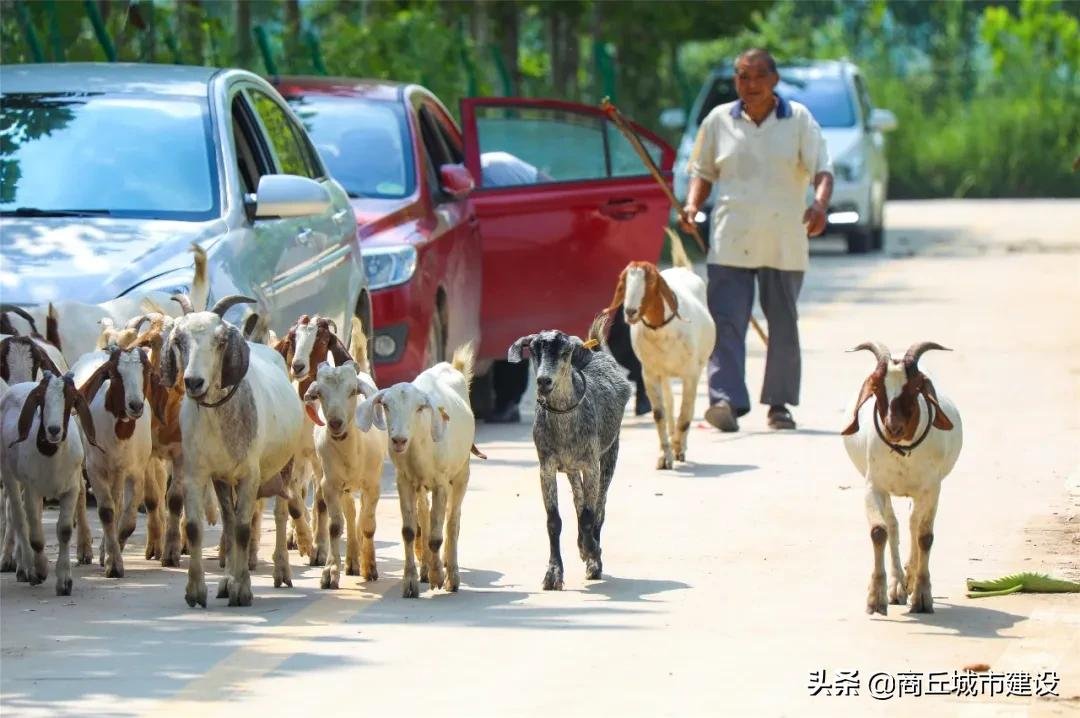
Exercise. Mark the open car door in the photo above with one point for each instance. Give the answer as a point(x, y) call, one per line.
point(563, 203)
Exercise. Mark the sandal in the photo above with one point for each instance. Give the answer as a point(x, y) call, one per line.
point(780, 418)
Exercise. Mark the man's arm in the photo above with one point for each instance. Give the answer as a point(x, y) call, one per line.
point(815, 217)
point(698, 193)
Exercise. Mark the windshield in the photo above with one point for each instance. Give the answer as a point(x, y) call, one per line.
point(112, 155)
point(826, 97)
point(363, 143)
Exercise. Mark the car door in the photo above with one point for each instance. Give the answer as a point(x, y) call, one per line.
point(873, 142)
point(553, 248)
point(313, 271)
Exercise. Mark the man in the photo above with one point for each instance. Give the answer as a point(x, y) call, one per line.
point(761, 152)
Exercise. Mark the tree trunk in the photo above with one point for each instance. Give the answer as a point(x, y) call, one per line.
point(505, 15)
point(292, 36)
point(244, 46)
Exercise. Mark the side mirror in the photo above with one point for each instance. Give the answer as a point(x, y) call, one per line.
point(673, 118)
point(282, 196)
point(456, 181)
point(882, 121)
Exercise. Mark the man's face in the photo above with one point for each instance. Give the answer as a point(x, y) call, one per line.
point(754, 81)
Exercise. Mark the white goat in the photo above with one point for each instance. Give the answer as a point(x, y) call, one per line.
point(50, 467)
point(352, 461)
point(673, 334)
point(118, 384)
point(431, 429)
point(241, 424)
point(904, 443)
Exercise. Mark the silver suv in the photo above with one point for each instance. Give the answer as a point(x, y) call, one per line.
point(836, 95)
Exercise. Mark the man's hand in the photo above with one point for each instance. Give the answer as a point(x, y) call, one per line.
point(686, 217)
point(814, 219)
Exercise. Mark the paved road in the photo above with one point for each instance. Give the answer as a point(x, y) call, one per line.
point(730, 579)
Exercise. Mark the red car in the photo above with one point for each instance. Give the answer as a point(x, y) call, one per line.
point(450, 255)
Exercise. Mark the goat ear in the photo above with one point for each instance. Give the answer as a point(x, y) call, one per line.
point(82, 410)
point(169, 366)
point(34, 401)
point(620, 293)
point(312, 411)
point(6, 327)
point(5, 343)
point(92, 385)
point(941, 421)
point(369, 412)
point(439, 420)
point(338, 351)
point(870, 388)
point(44, 360)
point(287, 346)
point(667, 294)
point(515, 353)
point(234, 360)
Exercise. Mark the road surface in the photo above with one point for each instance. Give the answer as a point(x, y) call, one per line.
point(729, 581)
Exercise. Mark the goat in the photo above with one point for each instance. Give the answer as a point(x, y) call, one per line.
point(652, 301)
point(904, 443)
point(123, 430)
point(581, 395)
point(50, 467)
point(307, 345)
point(241, 424)
point(352, 461)
point(431, 428)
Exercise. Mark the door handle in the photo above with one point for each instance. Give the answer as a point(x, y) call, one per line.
point(622, 209)
point(340, 215)
point(305, 237)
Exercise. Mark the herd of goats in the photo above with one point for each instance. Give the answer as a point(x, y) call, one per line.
point(238, 416)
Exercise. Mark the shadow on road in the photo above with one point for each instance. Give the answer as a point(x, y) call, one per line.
point(963, 621)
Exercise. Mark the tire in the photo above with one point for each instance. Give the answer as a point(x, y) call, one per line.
point(436, 343)
point(482, 394)
point(860, 240)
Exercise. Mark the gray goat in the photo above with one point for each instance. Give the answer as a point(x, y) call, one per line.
point(580, 397)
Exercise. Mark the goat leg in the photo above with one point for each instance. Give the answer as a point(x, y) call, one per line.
point(64, 527)
point(553, 578)
point(876, 596)
point(410, 585)
point(84, 542)
point(331, 575)
point(352, 533)
point(922, 524)
point(282, 571)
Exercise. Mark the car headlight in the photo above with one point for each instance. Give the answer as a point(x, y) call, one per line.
point(850, 167)
point(387, 266)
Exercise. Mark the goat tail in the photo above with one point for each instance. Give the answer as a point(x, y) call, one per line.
point(598, 331)
point(358, 344)
point(200, 284)
point(679, 258)
point(463, 361)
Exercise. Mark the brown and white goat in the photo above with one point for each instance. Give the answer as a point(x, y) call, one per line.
point(308, 343)
point(48, 467)
point(673, 335)
point(904, 442)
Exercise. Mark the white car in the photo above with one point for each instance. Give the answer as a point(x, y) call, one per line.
point(836, 95)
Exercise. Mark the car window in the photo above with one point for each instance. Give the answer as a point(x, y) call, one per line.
point(251, 157)
point(364, 143)
point(288, 145)
point(435, 151)
point(864, 100)
point(558, 145)
point(450, 139)
point(625, 161)
point(104, 152)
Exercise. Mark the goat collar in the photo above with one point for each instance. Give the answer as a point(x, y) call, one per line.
point(662, 324)
point(576, 404)
point(900, 448)
point(219, 402)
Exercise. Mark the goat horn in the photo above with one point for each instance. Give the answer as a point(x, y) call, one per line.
point(911, 358)
point(184, 302)
point(225, 303)
point(881, 352)
point(137, 322)
point(15, 309)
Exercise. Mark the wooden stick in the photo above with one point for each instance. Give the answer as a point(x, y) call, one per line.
point(635, 142)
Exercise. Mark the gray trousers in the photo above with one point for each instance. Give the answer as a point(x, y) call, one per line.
point(731, 298)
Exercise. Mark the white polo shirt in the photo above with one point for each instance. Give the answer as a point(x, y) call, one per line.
point(760, 174)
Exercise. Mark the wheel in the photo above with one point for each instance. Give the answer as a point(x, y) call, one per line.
point(859, 240)
point(436, 342)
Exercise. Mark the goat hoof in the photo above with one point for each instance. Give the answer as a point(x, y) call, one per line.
point(898, 593)
point(436, 578)
point(665, 462)
point(7, 565)
point(921, 600)
point(453, 581)
point(239, 595)
point(593, 570)
point(195, 594)
point(21, 576)
point(290, 543)
point(410, 587)
point(115, 571)
point(223, 588)
point(330, 578)
point(170, 559)
point(318, 557)
point(352, 567)
point(424, 574)
point(680, 456)
point(282, 576)
point(371, 574)
point(63, 586)
point(553, 579)
point(84, 555)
